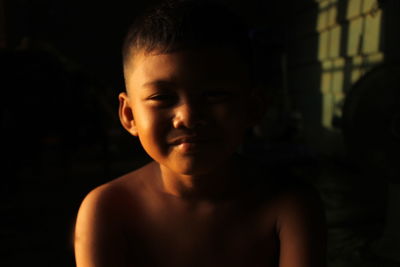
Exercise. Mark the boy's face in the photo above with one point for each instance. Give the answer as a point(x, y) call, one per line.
point(189, 108)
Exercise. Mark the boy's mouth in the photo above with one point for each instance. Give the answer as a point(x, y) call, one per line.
point(190, 144)
point(187, 140)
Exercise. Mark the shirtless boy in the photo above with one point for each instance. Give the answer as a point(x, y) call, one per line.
point(189, 99)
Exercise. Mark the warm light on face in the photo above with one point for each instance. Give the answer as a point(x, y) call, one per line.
point(189, 107)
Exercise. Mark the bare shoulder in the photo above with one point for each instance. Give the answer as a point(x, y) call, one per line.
point(296, 210)
point(99, 230)
point(113, 196)
point(298, 196)
point(300, 226)
point(277, 186)
point(109, 203)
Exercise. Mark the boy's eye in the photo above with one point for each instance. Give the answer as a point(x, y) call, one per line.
point(217, 95)
point(162, 99)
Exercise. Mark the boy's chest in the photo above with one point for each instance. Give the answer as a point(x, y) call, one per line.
point(215, 238)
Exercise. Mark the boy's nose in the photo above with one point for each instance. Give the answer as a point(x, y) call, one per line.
point(188, 115)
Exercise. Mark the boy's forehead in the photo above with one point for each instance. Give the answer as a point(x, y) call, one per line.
point(189, 65)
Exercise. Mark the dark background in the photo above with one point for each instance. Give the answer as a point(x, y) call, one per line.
point(61, 137)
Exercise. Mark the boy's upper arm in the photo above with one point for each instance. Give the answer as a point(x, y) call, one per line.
point(98, 239)
point(302, 230)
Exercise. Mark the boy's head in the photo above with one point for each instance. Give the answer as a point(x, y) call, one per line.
point(179, 25)
point(188, 98)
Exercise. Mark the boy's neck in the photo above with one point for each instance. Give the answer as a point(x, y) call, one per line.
point(217, 185)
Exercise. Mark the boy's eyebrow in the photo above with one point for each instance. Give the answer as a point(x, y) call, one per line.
point(159, 83)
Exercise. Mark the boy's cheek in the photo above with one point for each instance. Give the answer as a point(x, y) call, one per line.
point(234, 109)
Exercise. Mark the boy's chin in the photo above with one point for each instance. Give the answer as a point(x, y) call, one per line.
point(195, 169)
point(199, 167)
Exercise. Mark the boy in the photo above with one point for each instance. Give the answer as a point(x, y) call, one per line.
point(189, 100)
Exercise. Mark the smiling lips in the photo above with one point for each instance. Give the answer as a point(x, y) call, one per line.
point(189, 143)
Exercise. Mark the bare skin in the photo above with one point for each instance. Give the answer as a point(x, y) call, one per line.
point(148, 226)
point(197, 204)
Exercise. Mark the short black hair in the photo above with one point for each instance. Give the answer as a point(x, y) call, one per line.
point(176, 25)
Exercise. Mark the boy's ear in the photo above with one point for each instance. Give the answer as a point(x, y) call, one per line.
point(126, 114)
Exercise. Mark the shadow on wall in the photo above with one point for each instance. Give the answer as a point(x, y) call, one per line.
point(332, 44)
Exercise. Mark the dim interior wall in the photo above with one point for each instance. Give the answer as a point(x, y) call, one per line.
point(331, 44)
point(2, 25)
point(391, 30)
